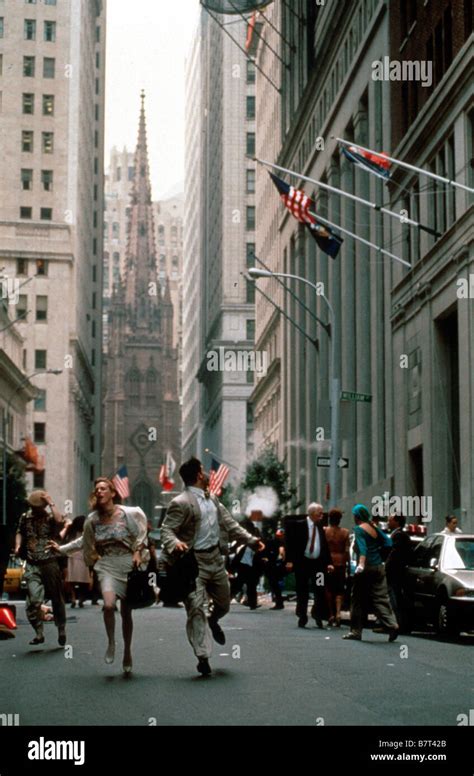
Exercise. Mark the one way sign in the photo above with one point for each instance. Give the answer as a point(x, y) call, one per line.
point(325, 463)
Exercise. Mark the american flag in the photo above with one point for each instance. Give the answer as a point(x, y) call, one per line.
point(218, 475)
point(299, 204)
point(121, 484)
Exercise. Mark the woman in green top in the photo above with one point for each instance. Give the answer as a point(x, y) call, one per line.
point(370, 585)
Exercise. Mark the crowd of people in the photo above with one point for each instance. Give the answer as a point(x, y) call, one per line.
point(219, 558)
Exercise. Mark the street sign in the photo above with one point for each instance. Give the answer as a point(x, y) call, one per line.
point(325, 463)
point(351, 396)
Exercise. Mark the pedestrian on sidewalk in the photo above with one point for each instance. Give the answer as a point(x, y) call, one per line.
point(396, 566)
point(196, 521)
point(307, 552)
point(78, 575)
point(275, 568)
point(40, 524)
point(338, 542)
point(451, 526)
point(114, 537)
point(370, 584)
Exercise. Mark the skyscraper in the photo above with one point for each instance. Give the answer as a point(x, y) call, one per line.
point(52, 64)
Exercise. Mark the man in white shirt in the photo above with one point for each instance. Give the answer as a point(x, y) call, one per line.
point(307, 552)
point(199, 522)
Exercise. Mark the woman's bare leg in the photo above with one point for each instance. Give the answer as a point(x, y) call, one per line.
point(109, 621)
point(127, 631)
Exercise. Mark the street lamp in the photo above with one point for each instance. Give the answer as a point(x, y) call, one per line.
point(335, 379)
point(6, 411)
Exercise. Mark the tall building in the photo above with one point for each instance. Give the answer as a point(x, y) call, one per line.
point(142, 414)
point(52, 65)
point(408, 440)
point(218, 304)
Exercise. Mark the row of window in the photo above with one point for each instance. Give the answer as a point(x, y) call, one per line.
point(46, 2)
point(40, 266)
point(30, 30)
point(28, 104)
point(27, 141)
point(41, 308)
point(27, 176)
point(29, 67)
point(26, 213)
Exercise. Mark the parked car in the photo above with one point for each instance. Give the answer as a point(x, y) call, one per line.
point(13, 584)
point(440, 583)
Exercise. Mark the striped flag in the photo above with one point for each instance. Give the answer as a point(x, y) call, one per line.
point(121, 484)
point(299, 205)
point(374, 163)
point(166, 473)
point(218, 475)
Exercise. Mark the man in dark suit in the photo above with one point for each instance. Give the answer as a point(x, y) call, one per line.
point(199, 522)
point(307, 552)
point(395, 567)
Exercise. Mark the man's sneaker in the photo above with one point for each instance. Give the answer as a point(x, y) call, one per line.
point(217, 632)
point(203, 667)
point(62, 637)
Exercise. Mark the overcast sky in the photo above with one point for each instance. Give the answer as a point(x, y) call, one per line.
point(147, 42)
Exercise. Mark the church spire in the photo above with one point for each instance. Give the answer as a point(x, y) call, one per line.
point(141, 273)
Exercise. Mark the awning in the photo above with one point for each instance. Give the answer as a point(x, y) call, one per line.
point(234, 6)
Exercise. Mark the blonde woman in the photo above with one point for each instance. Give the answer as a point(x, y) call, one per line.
point(114, 537)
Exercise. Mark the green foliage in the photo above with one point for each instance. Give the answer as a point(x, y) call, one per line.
point(16, 491)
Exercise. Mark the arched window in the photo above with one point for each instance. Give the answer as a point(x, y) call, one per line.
point(133, 388)
point(151, 388)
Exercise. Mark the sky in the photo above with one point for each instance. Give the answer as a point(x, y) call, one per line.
point(147, 43)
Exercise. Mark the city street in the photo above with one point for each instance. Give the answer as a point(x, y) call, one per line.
point(285, 675)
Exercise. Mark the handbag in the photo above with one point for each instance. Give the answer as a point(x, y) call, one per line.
point(140, 587)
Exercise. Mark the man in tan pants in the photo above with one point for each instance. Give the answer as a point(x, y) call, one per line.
point(198, 522)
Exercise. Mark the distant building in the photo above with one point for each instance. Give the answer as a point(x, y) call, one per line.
point(142, 413)
point(219, 223)
point(52, 66)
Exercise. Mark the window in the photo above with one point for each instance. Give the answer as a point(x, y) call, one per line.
point(40, 433)
point(250, 71)
point(115, 230)
point(46, 214)
point(50, 2)
point(40, 400)
point(251, 181)
point(27, 180)
point(28, 104)
point(250, 219)
point(30, 2)
point(50, 32)
point(47, 179)
point(250, 295)
point(26, 213)
point(49, 67)
point(29, 67)
point(250, 255)
point(97, 34)
point(39, 480)
point(48, 142)
point(251, 144)
point(2, 26)
point(250, 331)
point(22, 267)
point(161, 235)
point(42, 267)
point(116, 259)
point(250, 107)
point(41, 308)
point(48, 105)
point(40, 359)
point(30, 29)
point(22, 306)
point(1, 64)
point(131, 173)
point(118, 174)
point(27, 141)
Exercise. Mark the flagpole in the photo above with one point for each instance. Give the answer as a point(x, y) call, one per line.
point(407, 166)
point(361, 239)
point(403, 219)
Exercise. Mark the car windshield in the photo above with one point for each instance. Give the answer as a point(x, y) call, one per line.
point(459, 554)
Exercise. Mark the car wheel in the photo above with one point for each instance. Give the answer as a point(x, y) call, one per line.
point(445, 623)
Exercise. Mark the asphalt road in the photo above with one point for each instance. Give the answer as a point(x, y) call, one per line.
point(269, 673)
